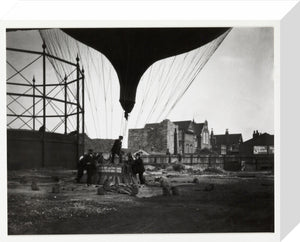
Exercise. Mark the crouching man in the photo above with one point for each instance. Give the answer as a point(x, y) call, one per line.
point(85, 162)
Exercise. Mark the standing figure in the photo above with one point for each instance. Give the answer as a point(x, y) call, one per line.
point(127, 169)
point(138, 168)
point(169, 155)
point(83, 163)
point(243, 165)
point(91, 169)
point(116, 149)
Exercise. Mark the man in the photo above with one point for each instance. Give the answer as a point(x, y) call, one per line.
point(127, 169)
point(138, 168)
point(91, 169)
point(85, 163)
point(116, 150)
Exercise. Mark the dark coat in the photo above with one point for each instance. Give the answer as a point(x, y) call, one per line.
point(86, 160)
point(116, 149)
point(138, 166)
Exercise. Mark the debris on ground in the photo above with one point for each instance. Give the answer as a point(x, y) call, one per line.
point(56, 188)
point(23, 180)
point(175, 191)
point(111, 207)
point(164, 182)
point(150, 168)
point(209, 187)
point(129, 189)
point(100, 191)
point(178, 167)
point(214, 170)
point(34, 186)
point(55, 178)
point(167, 191)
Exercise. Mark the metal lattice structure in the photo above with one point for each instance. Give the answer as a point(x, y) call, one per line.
point(36, 93)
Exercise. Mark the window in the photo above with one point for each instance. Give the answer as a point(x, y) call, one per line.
point(205, 138)
point(191, 148)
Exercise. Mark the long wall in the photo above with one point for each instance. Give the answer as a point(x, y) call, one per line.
point(25, 150)
point(228, 162)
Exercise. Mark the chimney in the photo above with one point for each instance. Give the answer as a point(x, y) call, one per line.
point(254, 134)
point(226, 132)
point(212, 133)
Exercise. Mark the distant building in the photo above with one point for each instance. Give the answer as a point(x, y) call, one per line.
point(98, 145)
point(226, 144)
point(260, 144)
point(185, 137)
point(154, 138)
point(192, 137)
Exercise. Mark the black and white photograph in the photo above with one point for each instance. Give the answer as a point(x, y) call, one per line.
point(140, 130)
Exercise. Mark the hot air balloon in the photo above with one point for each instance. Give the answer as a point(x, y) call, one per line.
point(132, 50)
point(146, 70)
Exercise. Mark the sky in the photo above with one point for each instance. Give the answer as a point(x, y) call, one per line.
point(234, 90)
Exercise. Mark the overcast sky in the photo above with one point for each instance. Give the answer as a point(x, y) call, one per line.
point(234, 90)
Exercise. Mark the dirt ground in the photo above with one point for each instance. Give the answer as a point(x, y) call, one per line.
point(238, 202)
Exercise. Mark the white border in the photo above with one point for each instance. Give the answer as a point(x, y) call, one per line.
point(139, 22)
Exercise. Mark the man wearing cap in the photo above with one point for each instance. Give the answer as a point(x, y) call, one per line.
point(138, 168)
point(84, 163)
point(116, 149)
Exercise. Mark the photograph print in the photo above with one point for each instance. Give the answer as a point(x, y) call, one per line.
point(140, 130)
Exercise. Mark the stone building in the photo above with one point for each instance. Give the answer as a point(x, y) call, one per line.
point(154, 138)
point(185, 137)
point(226, 144)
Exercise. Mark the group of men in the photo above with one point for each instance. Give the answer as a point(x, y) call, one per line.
point(88, 162)
point(91, 161)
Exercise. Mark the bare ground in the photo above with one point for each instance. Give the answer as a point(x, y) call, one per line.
point(239, 202)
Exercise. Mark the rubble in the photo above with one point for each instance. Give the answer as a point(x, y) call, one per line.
point(56, 188)
point(209, 187)
point(34, 186)
point(167, 191)
point(175, 191)
point(100, 191)
point(32, 212)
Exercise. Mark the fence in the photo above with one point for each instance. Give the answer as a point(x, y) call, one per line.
point(24, 150)
point(226, 162)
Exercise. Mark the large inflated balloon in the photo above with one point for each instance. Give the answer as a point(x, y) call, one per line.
point(132, 50)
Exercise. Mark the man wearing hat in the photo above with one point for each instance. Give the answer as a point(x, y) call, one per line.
point(138, 168)
point(85, 163)
point(116, 149)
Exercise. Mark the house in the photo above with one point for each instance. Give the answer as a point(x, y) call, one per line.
point(260, 144)
point(192, 136)
point(226, 144)
point(258, 152)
